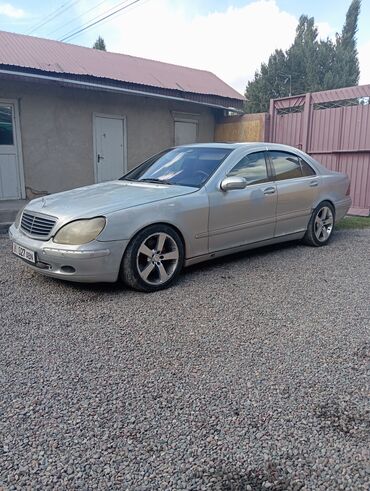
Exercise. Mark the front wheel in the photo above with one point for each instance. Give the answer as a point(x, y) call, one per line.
point(320, 226)
point(153, 259)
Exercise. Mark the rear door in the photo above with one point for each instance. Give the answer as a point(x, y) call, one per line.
point(243, 216)
point(297, 187)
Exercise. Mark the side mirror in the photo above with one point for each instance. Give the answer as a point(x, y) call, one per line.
point(233, 182)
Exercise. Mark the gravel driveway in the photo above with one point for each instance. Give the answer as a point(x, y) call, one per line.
point(249, 374)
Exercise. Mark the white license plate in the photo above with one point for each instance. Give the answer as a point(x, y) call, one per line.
point(24, 253)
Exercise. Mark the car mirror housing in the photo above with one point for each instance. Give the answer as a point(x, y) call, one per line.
point(233, 182)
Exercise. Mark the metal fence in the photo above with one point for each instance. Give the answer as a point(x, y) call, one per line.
point(334, 127)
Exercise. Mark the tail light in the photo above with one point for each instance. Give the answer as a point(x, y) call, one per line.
point(348, 192)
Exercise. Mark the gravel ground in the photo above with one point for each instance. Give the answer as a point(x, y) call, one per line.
point(249, 374)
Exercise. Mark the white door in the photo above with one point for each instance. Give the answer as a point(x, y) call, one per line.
point(10, 183)
point(110, 161)
point(185, 132)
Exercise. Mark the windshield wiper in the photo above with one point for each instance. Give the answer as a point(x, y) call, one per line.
point(156, 181)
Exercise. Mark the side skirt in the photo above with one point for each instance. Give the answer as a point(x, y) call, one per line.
point(245, 247)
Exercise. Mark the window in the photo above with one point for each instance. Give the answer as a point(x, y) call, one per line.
point(6, 125)
point(252, 167)
point(289, 166)
point(183, 166)
point(286, 165)
point(307, 170)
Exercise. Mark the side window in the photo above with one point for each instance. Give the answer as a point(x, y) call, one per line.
point(286, 165)
point(252, 167)
point(307, 170)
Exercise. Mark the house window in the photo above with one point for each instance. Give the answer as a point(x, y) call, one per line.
point(6, 125)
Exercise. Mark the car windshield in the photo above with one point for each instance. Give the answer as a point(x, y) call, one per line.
point(184, 166)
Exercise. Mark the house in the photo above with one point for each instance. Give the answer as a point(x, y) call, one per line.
point(71, 116)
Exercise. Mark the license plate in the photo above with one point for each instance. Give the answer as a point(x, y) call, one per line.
point(24, 253)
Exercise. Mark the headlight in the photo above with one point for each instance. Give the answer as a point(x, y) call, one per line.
point(80, 231)
point(17, 220)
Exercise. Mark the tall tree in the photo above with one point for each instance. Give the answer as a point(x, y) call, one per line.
point(346, 66)
point(325, 65)
point(302, 56)
point(309, 64)
point(271, 79)
point(100, 44)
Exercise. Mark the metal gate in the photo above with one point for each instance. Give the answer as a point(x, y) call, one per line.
point(334, 127)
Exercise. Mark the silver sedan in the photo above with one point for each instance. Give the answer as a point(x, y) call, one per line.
point(183, 206)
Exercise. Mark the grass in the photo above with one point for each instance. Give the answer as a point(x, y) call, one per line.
point(351, 222)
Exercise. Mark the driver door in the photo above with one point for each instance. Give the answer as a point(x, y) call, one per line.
point(243, 216)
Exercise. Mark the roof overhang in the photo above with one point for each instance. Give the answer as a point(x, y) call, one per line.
point(107, 85)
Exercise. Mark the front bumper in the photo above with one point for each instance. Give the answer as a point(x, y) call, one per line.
point(88, 263)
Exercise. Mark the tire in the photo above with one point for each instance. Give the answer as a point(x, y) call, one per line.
point(153, 259)
point(321, 225)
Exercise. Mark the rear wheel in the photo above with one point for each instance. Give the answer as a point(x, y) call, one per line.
point(153, 259)
point(321, 225)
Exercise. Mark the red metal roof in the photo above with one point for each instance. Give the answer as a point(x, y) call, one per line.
point(53, 56)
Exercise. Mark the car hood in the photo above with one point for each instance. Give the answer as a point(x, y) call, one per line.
point(104, 198)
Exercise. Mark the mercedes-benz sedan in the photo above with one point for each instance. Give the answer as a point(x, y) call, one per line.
point(185, 205)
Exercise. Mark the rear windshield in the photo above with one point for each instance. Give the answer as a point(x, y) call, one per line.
point(184, 166)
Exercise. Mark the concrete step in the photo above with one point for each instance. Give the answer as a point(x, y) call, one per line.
point(8, 212)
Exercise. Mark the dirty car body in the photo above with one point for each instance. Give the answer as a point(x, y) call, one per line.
point(200, 201)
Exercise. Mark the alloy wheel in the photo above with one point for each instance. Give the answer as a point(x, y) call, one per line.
point(324, 222)
point(157, 258)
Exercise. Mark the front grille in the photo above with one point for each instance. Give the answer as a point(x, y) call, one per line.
point(36, 225)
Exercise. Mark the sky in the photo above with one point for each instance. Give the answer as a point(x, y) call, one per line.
point(230, 38)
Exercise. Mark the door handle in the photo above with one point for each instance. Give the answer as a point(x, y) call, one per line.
point(313, 184)
point(269, 190)
point(100, 157)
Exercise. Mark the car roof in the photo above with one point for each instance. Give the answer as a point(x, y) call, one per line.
point(235, 145)
point(231, 145)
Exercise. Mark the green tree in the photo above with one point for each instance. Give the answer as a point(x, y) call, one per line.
point(100, 44)
point(308, 65)
point(271, 79)
point(325, 65)
point(346, 66)
point(302, 56)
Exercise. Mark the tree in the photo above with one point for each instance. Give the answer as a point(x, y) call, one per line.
point(347, 70)
point(271, 79)
point(302, 57)
point(100, 44)
point(325, 65)
point(309, 64)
